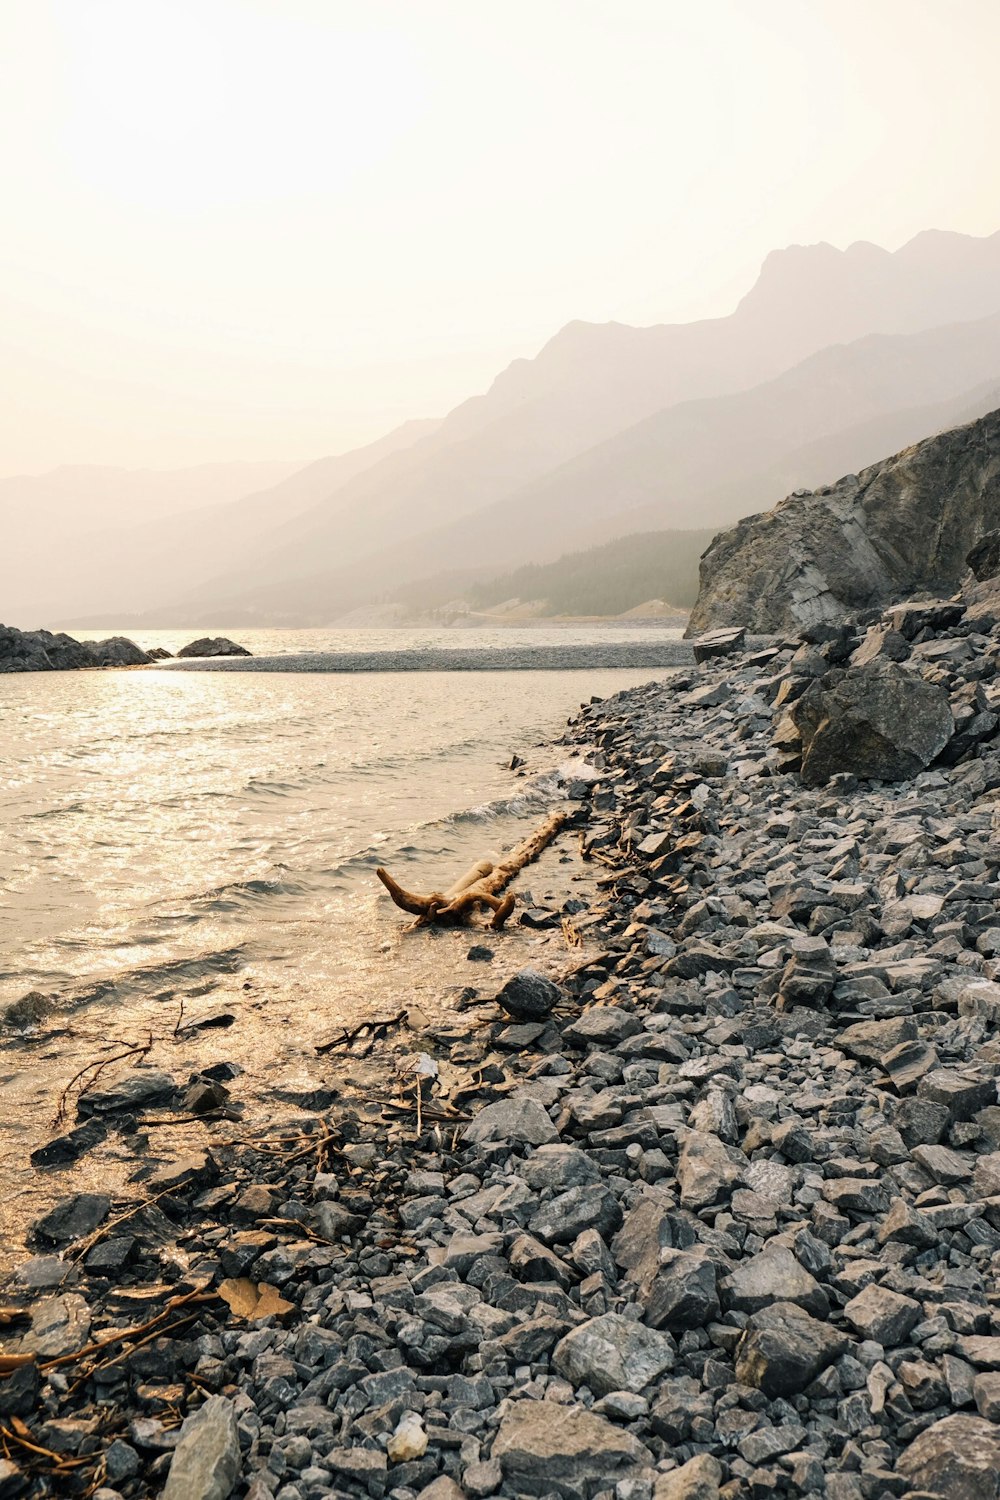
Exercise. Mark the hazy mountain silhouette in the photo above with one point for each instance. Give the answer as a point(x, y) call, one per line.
point(150, 534)
point(609, 429)
point(521, 474)
point(709, 461)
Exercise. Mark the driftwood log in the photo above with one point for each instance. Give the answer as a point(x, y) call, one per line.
point(480, 886)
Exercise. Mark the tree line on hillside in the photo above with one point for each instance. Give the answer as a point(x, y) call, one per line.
point(606, 580)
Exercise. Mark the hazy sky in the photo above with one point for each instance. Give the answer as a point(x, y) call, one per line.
point(275, 228)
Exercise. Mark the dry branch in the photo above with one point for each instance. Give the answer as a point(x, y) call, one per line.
point(480, 886)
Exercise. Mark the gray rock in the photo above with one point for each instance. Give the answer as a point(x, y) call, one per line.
point(957, 1458)
point(601, 1026)
point(59, 1325)
point(707, 1169)
point(783, 1349)
point(698, 1479)
point(592, 1206)
point(529, 996)
point(880, 1314)
point(682, 1293)
point(718, 643)
point(773, 1276)
point(558, 1167)
point(612, 1353)
point(519, 1120)
point(984, 557)
point(902, 525)
point(117, 651)
point(206, 1461)
point(574, 1456)
point(131, 1092)
point(72, 1218)
point(877, 722)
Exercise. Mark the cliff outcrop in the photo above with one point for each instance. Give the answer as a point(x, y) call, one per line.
point(900, 528)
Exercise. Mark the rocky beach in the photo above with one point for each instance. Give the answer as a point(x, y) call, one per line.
point(715, 1214)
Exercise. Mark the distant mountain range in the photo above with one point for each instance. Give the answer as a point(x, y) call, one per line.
point(833, 359)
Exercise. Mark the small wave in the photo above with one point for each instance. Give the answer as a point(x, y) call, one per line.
point(243, 893)
point(142, 981)
point(56, 812)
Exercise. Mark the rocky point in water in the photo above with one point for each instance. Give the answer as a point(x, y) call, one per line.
point(218, 645)
point(42, 651)
point(904, 525)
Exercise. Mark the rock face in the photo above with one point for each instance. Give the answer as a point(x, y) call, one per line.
point(902, 526)
point(217, 645)
point(877, 721)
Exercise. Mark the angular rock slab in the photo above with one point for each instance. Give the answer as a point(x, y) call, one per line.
point(206, 1461)
point(520, 1121)
point(958, 1458)
point(612, 1353)
point(773, 1276)
point(783, 1349)
point(708, 1169)
point(568, 1451)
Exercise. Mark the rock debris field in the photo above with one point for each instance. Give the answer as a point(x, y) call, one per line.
point(718, 1216)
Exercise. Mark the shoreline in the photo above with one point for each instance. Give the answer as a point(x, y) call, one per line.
point(595, 657)
point(732, 1207)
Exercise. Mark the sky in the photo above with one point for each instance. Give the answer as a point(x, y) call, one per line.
point(274, 229)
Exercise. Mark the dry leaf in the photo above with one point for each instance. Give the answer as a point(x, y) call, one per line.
point(11, 1362)
point(272, 1304)
point(250, 1302)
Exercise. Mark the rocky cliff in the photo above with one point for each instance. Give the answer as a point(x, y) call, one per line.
point(901, 527)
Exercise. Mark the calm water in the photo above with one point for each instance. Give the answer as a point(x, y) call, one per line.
point(151, 820)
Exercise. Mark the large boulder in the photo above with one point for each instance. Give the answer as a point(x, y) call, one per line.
point(878, 722)
point(902, 526)
point(213, 645)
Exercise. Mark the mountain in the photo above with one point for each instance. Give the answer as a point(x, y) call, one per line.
point(614, 429)
point(143, 531)
point(709, 461)
point(898, 528)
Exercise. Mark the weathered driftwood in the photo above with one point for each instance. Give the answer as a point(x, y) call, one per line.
point(480, 886)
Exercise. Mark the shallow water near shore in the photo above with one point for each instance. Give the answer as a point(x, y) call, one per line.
point(177, 844)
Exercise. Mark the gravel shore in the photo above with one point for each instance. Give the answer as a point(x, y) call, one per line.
point(718, 1216)
point(670, 653)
